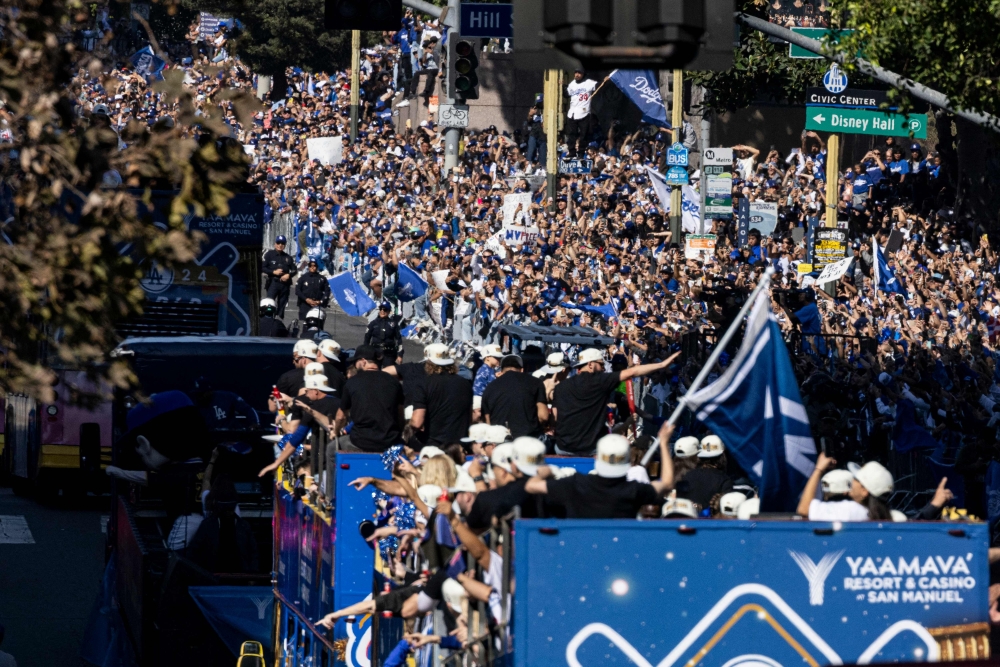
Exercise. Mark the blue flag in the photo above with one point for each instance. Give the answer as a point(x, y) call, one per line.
point(642, 87)
point(146, 63)
point(756, 409)
point(907, 434)
point(605, 310)
point(409, 284)
point(809, 321)
point(885, 278)
point(351, 298)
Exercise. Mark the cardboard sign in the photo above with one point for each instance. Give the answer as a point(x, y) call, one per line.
point(328, 150)
point(835, 271)
point(699, 246)
point(518, 227)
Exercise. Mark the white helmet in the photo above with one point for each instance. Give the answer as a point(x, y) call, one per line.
point(686, 447)
point(316, 314)
point(268, 303)
point(305, 348)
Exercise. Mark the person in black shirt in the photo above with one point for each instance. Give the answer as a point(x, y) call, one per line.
point(279, 267)
point(270, 326)
point(608, 494)
point(374, 402)
point(313, 290)
point(580, 402)
point(516, 400)
point(709, 478)
point(329, 356)
point(411, 374)
point(290, 382)
point(442, 402)
point(318, 407)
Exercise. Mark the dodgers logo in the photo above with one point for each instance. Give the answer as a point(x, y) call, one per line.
point(349, 297)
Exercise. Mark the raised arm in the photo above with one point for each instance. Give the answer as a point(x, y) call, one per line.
point(647, 369)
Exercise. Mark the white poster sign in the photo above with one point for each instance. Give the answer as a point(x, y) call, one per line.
point(328, 150)
point(835, 271)
point(518, 227)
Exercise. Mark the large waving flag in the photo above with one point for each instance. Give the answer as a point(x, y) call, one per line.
point(643, 88)
point(756, 409)
point(885, 277)
point(409, 284)
point(690, 201)
point(351, 298)
point(147, 63)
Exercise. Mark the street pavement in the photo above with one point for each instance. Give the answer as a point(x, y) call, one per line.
point(51, 561)
point(350, 331)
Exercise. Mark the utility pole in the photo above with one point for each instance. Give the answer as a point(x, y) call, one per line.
point(832, 178)
point(550, 122)
point(453, 135)
point(355, 81)
point(677, 120)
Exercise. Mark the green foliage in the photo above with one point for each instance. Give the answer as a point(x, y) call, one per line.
point(951, 46)
point(64, 282)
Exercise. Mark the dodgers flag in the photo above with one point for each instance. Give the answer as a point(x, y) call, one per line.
point(409, 284)
point(885, 278)
point(642, 87)
point(756, 409)
point(690, 201)
point(349, 294)
point(147, 63)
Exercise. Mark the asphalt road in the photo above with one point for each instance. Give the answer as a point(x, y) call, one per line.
point(51, 561)
point(350, 331)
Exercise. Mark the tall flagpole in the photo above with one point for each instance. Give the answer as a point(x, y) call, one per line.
point(714, 357)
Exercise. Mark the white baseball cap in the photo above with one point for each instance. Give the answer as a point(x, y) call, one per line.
point(529, 454)
point(429, 494)
point(491, 351)
point(454, 594)
point(556, 359)
point(314, 368)
point(711, 446)
point(502, 455)
point(611, 459)
point(329, 347)
point(874, 477)
point(729, 503)
point(589, 355)
point(305, 348)
point(678, 507)
point(477, 433)
point(429, 451)
point(686, 447)
point(497, 434)
point(438, 354)
point(748, 508)
point(837, 482)
point(318, 382)
point(463, 483)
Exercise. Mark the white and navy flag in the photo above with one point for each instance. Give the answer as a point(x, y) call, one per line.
point(756, 409)
point(885, 277)
point(642, 87)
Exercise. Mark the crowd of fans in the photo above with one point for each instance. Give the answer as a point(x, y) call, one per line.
point(880, 371)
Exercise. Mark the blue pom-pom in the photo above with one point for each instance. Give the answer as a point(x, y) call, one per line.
point(391, 456)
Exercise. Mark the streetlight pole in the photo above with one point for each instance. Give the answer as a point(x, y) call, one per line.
point(355, 81)
point(677, 120)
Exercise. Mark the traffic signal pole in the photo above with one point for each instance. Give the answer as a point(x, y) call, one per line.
point(832, 177)
point(677, 120)
point(355, 81)
point(550, 123)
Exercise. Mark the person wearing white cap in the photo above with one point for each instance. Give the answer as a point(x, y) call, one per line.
point(579, 402)
point(442, 401)
point(492, 354)
point(709, 479)
point(329, 356)
point(291, 382)
point(608, 494)
point(516, 400)
point(554, 371)
point(729, 504)
point(870, 485)
point(316, 408)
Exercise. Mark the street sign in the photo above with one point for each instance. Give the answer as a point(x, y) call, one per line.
point(677, 155)
point(865, 121)
point(453, 115)
point(575, 166)
point(849, 97)
point(677, 176)
point(835, 79)
point(717, 179)
point(812, 33)
point(486, 20)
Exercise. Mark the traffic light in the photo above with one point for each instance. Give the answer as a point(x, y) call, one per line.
point(363, 14)
point(630, 34)
point(463, 79)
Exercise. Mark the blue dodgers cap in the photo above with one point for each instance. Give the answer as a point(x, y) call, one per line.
point(280, 239)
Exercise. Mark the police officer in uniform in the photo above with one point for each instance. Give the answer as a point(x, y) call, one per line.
point(312, 326)
point(279, 267)
point(271, 326)
point(312, 289)
point(383, 332)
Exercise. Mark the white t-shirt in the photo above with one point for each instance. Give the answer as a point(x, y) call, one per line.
point(837, 510)
point(579, 97)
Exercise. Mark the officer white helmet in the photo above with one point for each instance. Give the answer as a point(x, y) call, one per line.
point(268, 306)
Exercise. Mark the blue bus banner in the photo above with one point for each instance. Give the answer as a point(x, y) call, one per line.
point(736, 593)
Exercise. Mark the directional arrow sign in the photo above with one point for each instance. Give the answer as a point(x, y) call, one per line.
point(866, 121)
